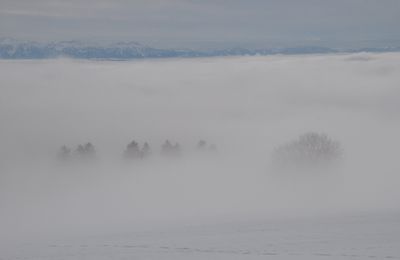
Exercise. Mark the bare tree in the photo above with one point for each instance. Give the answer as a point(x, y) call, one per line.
point(308, 151)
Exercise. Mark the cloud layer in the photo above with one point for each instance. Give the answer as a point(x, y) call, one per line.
point(190, 23)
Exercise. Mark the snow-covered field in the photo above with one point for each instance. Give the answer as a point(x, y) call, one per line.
point(353, 237)
point(227, 205)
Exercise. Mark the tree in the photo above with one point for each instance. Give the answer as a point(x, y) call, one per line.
point(168, 149)
point(310, 150)
point(89, 149)
point(201, 145)
point(146, 150)
point(80, 150)
point(132, 150)
point(86, 151)
point(64, 153)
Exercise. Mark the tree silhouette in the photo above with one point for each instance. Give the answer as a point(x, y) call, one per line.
point(308, 151)
point(132, 150)
point(201, 145)
point(146, 150)
point(86, 151)
point(166, 148)
point(64, 153)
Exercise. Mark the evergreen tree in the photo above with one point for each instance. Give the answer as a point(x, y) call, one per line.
point(64, 152)
point(166, 148)
point(201, 145)
point(132, 150)
point(146, 150)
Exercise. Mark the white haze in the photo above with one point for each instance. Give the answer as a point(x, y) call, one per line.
point(245, 105)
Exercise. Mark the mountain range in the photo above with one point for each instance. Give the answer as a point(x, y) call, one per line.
point(15, 49)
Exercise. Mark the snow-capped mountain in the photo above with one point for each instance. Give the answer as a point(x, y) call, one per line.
point(14, 49)
point(11, 49)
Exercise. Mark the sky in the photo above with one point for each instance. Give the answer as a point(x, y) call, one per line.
point(206, 23)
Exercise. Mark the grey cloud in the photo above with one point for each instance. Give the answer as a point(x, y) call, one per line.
point(271, 22)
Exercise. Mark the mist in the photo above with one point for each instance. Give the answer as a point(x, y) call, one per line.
point(247, 106)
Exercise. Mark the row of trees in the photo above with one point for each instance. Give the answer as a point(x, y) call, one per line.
point(85, 151)
point(310, 150)
point(133, 150)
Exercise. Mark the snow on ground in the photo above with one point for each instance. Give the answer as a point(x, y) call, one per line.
point(363, 236)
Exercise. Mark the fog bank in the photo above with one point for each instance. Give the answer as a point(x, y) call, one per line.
point(247, 106)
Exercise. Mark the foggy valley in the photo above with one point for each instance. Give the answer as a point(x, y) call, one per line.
point(229, 202)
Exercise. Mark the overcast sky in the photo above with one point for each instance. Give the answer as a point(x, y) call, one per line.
point(206, 23)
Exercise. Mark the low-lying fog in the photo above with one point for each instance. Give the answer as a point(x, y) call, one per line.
point(247, 106)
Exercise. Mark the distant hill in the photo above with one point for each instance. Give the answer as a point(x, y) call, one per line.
point(13, 49)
